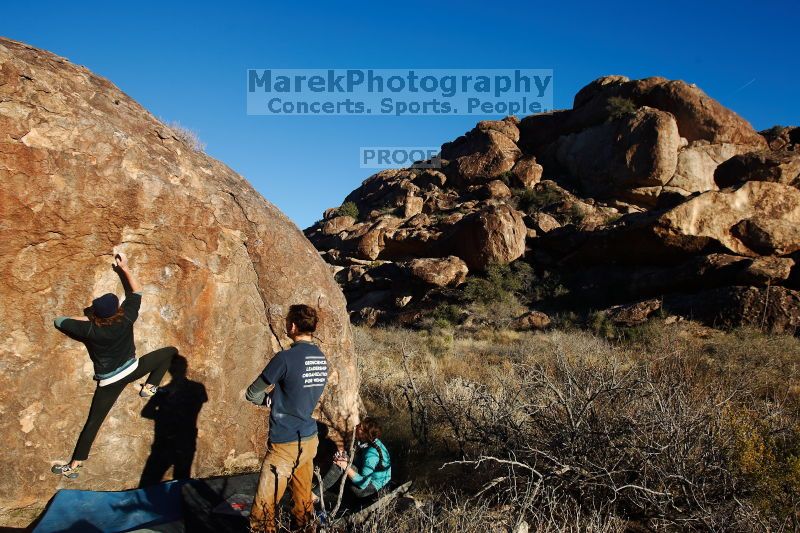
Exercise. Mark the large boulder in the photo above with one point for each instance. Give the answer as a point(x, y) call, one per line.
point(338, 224)
point(485, 152)
point(87, 172)
point(715, 216)
point(612, 143)
point(496, 189)
point(782, 137)
point(774, 309)
point(640, 150)
point(769, 236)
point(527, 172)
point(371, 243)
point(698, 162)
point(386, 189)
point(542, 129)
point(780, 167)
point(601, 88)
point(440, 272)
point(699, 117)
point(495, 234)
point(635, 313)
point(714, 221)
point(532, 321)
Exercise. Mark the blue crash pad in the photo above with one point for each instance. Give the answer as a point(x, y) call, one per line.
point(88, 511)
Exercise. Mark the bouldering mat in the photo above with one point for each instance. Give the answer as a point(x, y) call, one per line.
point(204, 500)
point(86, 511)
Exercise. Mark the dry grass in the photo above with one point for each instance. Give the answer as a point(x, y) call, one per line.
point(682, 427)
point(187, 136)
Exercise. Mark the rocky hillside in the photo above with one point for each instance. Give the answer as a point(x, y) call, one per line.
point(646, 195)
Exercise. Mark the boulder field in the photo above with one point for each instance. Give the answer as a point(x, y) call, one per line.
point(87, 172)
point(645, 189)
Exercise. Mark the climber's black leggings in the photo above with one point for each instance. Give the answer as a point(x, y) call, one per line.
point(155, 363)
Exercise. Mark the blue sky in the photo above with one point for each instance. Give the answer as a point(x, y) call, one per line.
point(186, 62)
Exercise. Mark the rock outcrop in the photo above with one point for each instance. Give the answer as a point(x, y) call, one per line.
point(445, 272)
point(646, 192)
point(493, 235)
point(486, 152)
point(87, 172)
point(618, 157)
point(781, 167)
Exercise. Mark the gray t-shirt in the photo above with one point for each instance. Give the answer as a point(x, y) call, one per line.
point(299, 375)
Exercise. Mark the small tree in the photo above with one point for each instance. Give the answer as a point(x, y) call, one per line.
point(619, 107)
point(348, 209)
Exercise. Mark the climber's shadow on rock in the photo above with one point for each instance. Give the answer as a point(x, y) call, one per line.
point(174, 409)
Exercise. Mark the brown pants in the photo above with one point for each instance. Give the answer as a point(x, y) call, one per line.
point(292, 464)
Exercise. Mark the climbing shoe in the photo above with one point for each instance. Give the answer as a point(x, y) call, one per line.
point(148, 391)
point(66, 471)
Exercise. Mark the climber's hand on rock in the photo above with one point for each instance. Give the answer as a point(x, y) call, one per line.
point(121, 261)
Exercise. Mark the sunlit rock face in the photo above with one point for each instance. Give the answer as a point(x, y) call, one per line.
point(87, 172)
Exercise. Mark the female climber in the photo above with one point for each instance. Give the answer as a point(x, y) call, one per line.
point(371, 469)
point(107, 331)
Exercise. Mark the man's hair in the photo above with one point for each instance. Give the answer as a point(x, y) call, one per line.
point(304, 317)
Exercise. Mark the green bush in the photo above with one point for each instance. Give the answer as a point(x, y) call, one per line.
point(534, 200)
point(574, 215)
point(499, 283)
point(507, 178)
point(768, 461)
point(618, 107)
point(546, 286)
point(517, 280)
point(446, 315)
point(599, 323)
point(566, 321)
point(348, 209)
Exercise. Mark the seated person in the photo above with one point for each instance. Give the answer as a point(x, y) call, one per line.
point(371, 469)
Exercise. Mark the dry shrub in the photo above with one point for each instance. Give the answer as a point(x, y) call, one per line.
point(187, 136)
point(682, 429)
point(452, 511)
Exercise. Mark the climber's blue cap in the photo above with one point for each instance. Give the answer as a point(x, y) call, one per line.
point(105, 306)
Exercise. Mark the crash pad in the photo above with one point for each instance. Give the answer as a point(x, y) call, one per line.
point(85, 511)
point(204, 501)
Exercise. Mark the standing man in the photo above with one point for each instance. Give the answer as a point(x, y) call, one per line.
point(295, 378)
